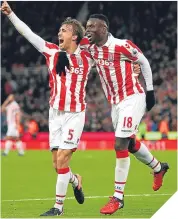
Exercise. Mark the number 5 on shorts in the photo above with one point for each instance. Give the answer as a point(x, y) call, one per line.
point(70, 134)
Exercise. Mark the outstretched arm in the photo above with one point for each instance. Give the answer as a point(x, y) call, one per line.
point(6, 102)
point(22, 28)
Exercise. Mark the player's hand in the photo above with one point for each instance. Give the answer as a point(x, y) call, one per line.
point(10, 97)
point(62, 63)
point(150, 99)
point(5, 8)
point(136, 69)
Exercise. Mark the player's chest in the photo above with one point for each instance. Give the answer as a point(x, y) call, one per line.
point(105, 56)
point(78, 64)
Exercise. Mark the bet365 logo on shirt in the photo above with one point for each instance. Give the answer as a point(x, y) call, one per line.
point(78, 71)
point(104, 62)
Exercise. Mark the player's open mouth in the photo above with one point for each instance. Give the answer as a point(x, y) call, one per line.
point(61, 41)
point(89, 36)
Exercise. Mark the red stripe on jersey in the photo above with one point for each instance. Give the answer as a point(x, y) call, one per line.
point(73, 84)
point(128, 78)
point(107, 72)
point(100, 72)
point(126, 53)
point(138, 86)
point(54, 78)
point(51, 46)
point(88, 55)
point(62, 93)
point(84, 41)
point(118, 72)
point(51, 84)
point(96, 52)
point(133, 45)
point(85, 72)
point(47, 56)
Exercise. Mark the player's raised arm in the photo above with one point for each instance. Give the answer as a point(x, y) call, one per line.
point(131, 51)
point(6, 102)
point(22, 28)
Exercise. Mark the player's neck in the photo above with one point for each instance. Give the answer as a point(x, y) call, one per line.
point(72, 49)
point(102, 42)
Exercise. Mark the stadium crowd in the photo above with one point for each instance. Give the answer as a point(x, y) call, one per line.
point(150, 25)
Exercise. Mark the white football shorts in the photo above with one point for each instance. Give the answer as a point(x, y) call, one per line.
point(65, 128)
point(127, 114)
point(12, 131)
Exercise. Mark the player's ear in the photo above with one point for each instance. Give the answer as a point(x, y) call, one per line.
point(105, 29)
point(74, 38)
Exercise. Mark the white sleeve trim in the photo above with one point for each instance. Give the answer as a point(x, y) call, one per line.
point(23, 29)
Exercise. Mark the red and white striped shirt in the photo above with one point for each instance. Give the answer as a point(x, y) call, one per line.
point(67, 92)
point(114, 63)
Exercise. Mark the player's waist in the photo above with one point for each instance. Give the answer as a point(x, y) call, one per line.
point(11, 124)
point(69, 108)
point(116, 97)
point(65, 104)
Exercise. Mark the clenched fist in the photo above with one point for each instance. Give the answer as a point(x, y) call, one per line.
point(5, 8)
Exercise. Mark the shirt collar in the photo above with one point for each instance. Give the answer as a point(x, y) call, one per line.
point(77, 51)
point(110, 40)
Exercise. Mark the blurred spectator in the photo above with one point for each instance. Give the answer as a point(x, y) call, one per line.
point(21, 129)
point(32, 127)
point(142, 129)
point(164, 127)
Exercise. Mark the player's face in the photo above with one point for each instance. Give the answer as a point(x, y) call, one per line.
point(94, 30)
point(65, 36)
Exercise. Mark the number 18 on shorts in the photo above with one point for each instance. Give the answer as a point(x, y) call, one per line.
point(126, 116)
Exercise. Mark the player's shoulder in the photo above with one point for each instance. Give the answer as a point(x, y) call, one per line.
point(84, 42)
point(120, 42)
point(83, 53)
point(51, 45)
point(50, 49)
point(12, 105)
point(16, 105)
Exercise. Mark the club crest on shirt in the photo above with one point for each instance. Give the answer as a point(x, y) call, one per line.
point(111, 57)
point(79, 61)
